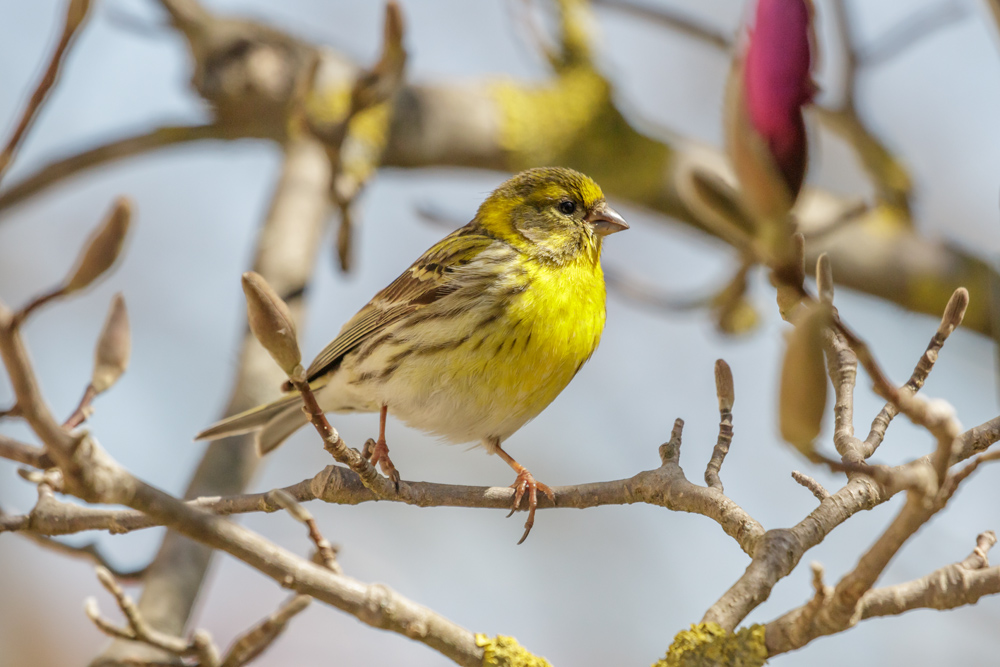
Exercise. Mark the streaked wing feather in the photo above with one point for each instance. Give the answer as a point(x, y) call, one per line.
point(428, 279)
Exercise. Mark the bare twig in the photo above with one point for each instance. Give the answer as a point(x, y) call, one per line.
point(333, 443)
point(326, 555)
point(253, 642)
point(55, 172)
point(891, 179)
point(842, 367)
point(200, 646)
point(89, 551)
point(726, 393)
point(952, 586)
point(83, 410)
point(100, 252)
point(950, 320)
point(978, 439)
point(979, 558)
point(673, 20)
point(76, 13)
point(670, 451)
point(24, 453)
point(814, 487)
point(922, 23)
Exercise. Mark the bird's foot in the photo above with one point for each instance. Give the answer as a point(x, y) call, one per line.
point(525, 484)
point(377, 453)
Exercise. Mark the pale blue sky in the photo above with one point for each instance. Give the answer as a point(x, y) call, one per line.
point(607, 586)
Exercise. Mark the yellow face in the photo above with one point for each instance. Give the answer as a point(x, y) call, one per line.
point(552, 213)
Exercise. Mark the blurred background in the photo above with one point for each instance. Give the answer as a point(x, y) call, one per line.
point(606, 586)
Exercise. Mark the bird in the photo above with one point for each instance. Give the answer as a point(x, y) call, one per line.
point(477, 336)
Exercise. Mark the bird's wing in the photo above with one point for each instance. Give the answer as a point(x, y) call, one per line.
point(430, 278)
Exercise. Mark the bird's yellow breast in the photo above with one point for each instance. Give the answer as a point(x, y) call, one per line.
point(549, 332)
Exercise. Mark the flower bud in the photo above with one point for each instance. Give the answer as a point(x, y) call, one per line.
point(802, 399)
point(113, 347)
point(271, 322)
point(954, 312)
point(724, 385)
point(103, 247)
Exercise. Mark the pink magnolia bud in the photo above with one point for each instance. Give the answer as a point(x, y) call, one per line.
point(777, 82)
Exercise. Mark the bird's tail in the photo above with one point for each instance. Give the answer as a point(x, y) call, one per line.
point(274, 422)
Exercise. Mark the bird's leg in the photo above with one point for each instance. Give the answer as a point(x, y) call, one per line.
point(524, 483)
point(378, 452)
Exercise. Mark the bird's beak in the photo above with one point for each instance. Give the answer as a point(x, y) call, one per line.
point(605, 220)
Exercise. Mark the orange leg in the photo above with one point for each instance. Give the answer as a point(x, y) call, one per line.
point(378, 452)
point(524, 483)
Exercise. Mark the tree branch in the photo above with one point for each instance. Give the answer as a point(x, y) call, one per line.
point(90, 474)
point(118, 149)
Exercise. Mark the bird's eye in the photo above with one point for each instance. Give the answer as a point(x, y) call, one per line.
point(567, 206)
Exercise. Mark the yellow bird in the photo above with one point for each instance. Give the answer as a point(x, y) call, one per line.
point(478, 336)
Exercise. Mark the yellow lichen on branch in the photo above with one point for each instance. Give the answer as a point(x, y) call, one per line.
point(503, 651)
point(539, 124)
point(708, 645)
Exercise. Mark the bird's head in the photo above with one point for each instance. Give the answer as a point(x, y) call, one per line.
point(551, 213)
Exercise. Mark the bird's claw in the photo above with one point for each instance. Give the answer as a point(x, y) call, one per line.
point(377, 453)
point(525, 484)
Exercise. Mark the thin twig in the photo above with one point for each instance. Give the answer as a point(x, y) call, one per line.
point(55, 172)
point(253, 642)
point(923, 22)
point(326, 555)
point(979, 558)
point(673, 20)
point(200, 646)
point(842, 367)
point(23, 453)
point(89, 551)
point(83, 410)
point(891, 180)
point(814, 487)
point(726, 393)
point(951, 319)
point(76, 13)
point(335, 445)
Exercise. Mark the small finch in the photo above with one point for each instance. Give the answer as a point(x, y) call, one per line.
point(478, 336)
